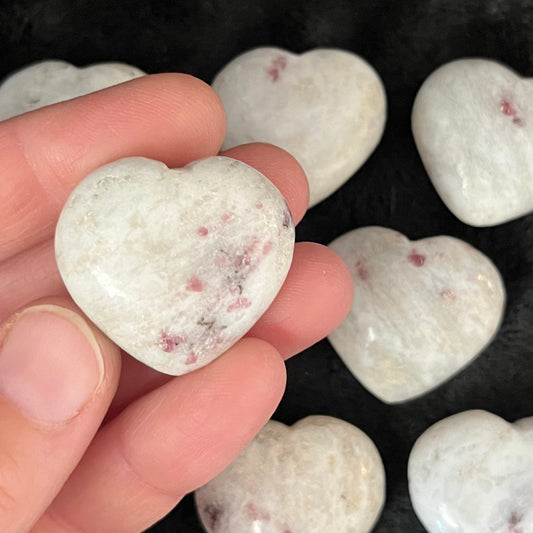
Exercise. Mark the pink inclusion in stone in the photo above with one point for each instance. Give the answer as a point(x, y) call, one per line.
point(267, 247)
point(416, 259)
point(226, 217)
point(259, 205)
point(362, 271)
point(194, 284)
point(202, 231)
point(276, 67)
point(191, 358)
point(168, 342)
point(508, 110)
point(239, 303)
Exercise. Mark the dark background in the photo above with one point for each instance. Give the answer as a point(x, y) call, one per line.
point(405, 40)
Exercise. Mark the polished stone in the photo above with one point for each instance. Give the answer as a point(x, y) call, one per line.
point(321, 475)
point(473, 473)
point(422, 310)
point(326, 107)
point(49, 82)
point(174, 265)
point(473, 125)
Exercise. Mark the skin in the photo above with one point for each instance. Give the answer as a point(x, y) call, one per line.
point(144, 439)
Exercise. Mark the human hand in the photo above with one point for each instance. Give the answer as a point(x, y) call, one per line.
point(90, 439)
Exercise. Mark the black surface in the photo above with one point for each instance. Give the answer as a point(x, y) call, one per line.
point(405, 41)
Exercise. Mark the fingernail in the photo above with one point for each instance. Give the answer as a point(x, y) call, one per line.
point(50, 364)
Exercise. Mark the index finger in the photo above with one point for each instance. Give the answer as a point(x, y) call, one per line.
point(173, 118)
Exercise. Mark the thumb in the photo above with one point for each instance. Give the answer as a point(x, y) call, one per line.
point(57, 378)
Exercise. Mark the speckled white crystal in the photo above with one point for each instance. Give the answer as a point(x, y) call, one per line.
point(174, 265)
point(473, 473)
point(326, 107)
point(49, 82)
point(422, 310)
point(473, 125)
point(321, 475)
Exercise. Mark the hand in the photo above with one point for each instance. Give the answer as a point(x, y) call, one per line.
point(92, 440)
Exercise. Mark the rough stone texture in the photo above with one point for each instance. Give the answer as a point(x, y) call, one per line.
point(473, 126)
point(422, 310)
point(174, 265)
point(322, 475)
point(326, 107)
point(473, 472)
point(49, 82)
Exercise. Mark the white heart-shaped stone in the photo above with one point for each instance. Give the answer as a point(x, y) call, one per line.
point(422, 310)
point(473, 125)
point(473, 473)
point(326, 107)
point(321, 475)
point(49, 82)
point(174, 265)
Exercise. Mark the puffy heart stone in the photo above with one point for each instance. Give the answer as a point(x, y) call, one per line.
point(422, 310)
point(321, 475)
point(473, 125)
point(326, 107)
point(49, 82)
point(473, 472)
point(174, 265)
